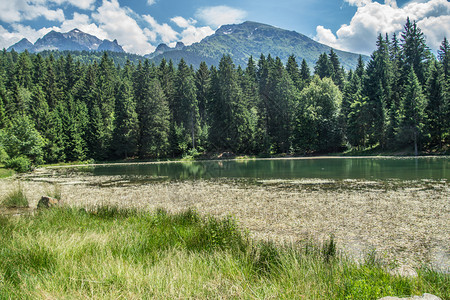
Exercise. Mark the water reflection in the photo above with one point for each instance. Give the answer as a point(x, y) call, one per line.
point(332, 168)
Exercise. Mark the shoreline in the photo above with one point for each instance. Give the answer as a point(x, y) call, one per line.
point(362, 215)
point(241, 159)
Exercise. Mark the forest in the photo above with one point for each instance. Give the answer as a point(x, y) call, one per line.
point(59, 109)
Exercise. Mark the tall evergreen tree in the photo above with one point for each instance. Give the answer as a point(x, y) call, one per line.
point(125, 135)
point(323, 67)
point(413, 111)
point(378, 93)
point(294, 72)
point(185, 106)
point(415, 52)
point(338, 75)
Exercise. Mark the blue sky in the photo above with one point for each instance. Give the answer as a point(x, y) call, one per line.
point(140, 25)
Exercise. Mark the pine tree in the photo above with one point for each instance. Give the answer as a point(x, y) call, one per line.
point(378, 93)
point(436, 110)
point(154, 121)
point(294, 72)
point(125, 136)
point(305, 74)
point(415, 52)
point(23, 70)
point(323, 67)
point(413, 110)
point(185, 108)
point(337, 74)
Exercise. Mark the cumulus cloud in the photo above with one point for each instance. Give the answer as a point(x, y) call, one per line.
point(83, 4)
point(220, 15)
point(191, 34)
point(164, 31)
point(20, 10)
point(117, 23)
point(373, 18)
point(8, 38)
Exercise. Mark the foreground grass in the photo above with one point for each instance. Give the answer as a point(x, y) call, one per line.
point(68, 253)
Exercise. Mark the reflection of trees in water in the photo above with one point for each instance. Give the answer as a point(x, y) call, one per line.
point(337, 168)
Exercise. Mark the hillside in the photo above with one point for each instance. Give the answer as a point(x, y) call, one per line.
point(251, 38)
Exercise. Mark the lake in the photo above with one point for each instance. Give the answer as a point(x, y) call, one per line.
point(368, 168)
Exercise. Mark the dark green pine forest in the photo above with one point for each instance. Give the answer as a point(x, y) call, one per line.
point(54, 108)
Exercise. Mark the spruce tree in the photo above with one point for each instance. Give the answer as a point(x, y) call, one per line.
point(185, 107)
point(413, 111)
point(125, 135)
point(323, 67)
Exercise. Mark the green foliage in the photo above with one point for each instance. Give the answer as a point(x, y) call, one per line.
point(20, 138)
point(72, 106)
point(20, 164)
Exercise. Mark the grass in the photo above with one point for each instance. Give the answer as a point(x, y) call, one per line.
point(70, 253)
point(15, 198)
point(4, 173)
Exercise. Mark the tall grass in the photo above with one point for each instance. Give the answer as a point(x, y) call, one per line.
point(110, 253)
point(15, 198)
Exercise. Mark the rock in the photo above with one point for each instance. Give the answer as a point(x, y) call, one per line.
point(425, 296)
point(47, 202)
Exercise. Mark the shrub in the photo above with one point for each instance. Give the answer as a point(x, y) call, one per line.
point(20, 164)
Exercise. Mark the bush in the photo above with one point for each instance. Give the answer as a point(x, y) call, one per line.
point(20, 164)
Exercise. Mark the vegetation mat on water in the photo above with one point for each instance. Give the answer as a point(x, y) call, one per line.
point(112, 253)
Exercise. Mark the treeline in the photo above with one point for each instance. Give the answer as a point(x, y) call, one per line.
point(58, 109)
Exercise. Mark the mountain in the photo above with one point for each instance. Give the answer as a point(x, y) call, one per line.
point(163, 48)
point(21, 46)
point(74, 40)
point(250, 38)
point(110, 46)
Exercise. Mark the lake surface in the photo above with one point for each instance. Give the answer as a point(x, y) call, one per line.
point(368, 168)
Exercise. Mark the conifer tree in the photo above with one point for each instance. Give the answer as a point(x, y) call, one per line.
point(337, 73)
point(185, 105)
point(378, 92)
point(154, 121)
point(413, 111)
point(415, 52)
point(323, 67)
point(436, 106)
point(294, 72)
point(305, 74)
point(125, 135)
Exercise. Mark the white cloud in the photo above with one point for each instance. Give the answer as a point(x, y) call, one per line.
point(190, 33)
point(116, 22)
point(84, 23)
point(166, 32)
point(220, 15)
point(19, 10)
point(83, 4)
point(8, 38)
point(182, 22)
point(151, 2)
point(358, 2)
point(373, 18)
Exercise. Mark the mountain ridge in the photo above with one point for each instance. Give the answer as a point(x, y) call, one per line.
point(241, 41)
point(74, 40)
